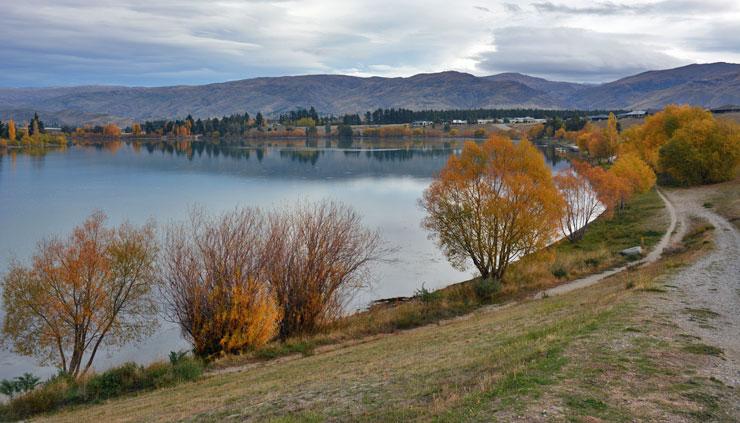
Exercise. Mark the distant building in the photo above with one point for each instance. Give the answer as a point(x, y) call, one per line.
point(633, 114)
point(596, 118)
point(487, 121)
point(421, 123)
point(730, 108)
point(459, 122)
point(526, 119)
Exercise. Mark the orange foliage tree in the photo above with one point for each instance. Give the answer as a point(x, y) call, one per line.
point(80, 293)
point(493, 203)
point(213, 283)
point(136, 129)
point(11, 130)
point(612, 190)
point(582, 203)
point(638, 175)
point(318, 256)
point(112, 130)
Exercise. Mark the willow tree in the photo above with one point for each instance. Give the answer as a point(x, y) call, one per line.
point(492, 204)
point(581, 203)
point(81, 293)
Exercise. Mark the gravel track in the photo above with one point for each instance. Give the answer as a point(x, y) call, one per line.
point(710, 285)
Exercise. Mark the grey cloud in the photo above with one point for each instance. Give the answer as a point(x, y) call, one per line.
point(571, 54)
point(597, 8)
point(720, 37)
point(665, 7)
point(512, 7)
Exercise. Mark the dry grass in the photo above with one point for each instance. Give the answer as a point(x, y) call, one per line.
point(724, 198)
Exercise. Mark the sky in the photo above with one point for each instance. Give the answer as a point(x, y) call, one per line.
point(167, 42)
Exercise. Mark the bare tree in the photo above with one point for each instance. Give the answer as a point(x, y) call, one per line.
point(91, 289)
point(581, 203)
point(316, 258)
point(213, 284)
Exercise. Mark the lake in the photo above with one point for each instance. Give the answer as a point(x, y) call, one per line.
point(48, 193)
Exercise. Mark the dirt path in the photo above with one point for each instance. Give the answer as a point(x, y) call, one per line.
point(653, 256)
point(706, 300)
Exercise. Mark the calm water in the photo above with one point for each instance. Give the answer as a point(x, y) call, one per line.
point(49, 194)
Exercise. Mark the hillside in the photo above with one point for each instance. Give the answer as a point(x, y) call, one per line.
point(705, 85)
point(708, 85)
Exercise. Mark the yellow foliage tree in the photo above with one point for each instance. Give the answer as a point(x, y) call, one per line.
point(11, 130)
point(91, 289)
point(111, 130)
point(493, 203)
point(636, 172)
point(646, 140)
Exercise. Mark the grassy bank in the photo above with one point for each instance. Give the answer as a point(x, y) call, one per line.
point(596, 353)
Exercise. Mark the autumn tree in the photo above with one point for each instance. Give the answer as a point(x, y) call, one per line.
point(317, 257)
point(582, 203)
point(493, 203)
point(536, 131)
point(112, 130)
point(638, 175)
point(691, 128)
point(611, 189)
point(89, 290)
point(11, 130)
point(213, 282)
point(136, 129)
point(701, 152)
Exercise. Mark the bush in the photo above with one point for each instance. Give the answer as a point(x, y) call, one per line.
point(559, 271)
point(188, 369)
point(52, 395)
point(62, 390)
point(114, 382)
point(427, 296)
point(485, 289)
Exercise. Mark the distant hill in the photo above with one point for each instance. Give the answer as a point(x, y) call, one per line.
point(708, 85)
point(711, 85)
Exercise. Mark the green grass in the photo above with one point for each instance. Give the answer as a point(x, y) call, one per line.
point(635, 225)
point(705, 349)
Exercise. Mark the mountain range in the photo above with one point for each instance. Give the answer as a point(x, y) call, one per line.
point(707, 85)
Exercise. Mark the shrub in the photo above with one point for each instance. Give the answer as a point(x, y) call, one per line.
point(427, 296)
point(319, 255)
point(485, 289)
point(188, 369)
point(114, 382)
point(51, 396)
point(214, 284)
point(63, 389)
point(559, 271)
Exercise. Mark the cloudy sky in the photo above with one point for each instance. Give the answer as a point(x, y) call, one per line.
point(168, 42)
